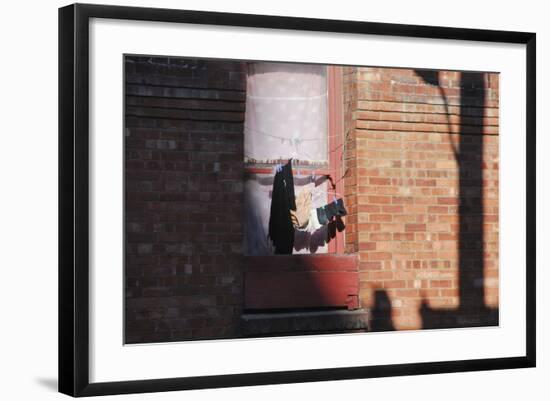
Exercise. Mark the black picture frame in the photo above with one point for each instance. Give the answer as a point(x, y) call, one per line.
point(74, 198)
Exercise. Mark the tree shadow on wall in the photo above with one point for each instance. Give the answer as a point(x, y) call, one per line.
point(472, 310)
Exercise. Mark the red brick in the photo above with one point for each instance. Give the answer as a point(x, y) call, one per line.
point(415, 227)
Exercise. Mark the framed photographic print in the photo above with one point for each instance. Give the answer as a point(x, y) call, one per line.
point(251, 199)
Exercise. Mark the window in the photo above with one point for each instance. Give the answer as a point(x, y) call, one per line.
point(294, 112)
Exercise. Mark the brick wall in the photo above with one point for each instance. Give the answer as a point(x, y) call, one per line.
point(184, 169)
point(423, 147)
point(421, 189)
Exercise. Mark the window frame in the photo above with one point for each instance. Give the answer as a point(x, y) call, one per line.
point(330, 279)
point(335, 152)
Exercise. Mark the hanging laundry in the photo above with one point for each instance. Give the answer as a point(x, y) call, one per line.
point(281, 229)
point(326, 213)
point(289, 184)
point(331, 210)
point(322, 215)
point(340, 226)
point(313, 223)
point(340, 207)
point(300, 216)
point(331, 230)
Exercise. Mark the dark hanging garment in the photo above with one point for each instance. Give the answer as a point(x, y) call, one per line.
point(331, 210)
point(281, 229)
point(340, 207)
point(322, 215)
point(289, 184)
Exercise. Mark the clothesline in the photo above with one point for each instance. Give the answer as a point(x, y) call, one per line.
point(248, 130)
point(287, 98)
point(297, 141)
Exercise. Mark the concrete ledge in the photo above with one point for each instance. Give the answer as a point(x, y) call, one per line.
point(288, 323)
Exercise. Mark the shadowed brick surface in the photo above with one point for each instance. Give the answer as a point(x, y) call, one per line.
point(184, 169)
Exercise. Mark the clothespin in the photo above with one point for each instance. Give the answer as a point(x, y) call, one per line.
point(334, 198)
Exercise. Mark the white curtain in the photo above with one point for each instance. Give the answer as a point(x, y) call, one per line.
point(286, 112)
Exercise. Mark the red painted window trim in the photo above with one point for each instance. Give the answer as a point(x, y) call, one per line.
point(336, 142)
